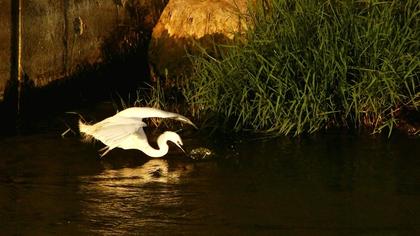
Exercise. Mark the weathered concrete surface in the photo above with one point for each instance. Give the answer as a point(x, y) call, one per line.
point(73, 52)
point(5, 46)
point(185, 21)
point(61, 37)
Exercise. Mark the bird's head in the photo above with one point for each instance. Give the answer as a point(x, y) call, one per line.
point(175, 138)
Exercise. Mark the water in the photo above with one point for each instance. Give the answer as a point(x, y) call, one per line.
point(335, 184)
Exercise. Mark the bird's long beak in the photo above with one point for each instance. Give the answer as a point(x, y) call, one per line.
point(180, 147)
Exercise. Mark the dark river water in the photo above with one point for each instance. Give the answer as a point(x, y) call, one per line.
point(331, 184)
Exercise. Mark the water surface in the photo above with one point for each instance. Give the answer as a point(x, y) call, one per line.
point(333, 184)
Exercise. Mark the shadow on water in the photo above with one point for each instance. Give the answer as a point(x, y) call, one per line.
point(332, 184)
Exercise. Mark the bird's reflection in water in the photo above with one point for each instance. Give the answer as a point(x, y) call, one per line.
point(137, 193)
point(153, 171)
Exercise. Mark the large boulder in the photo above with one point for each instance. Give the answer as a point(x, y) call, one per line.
point(185, 22)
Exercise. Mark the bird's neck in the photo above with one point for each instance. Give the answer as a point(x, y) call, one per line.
point(163, 148)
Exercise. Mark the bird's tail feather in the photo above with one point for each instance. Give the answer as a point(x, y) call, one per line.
point(85, 131)
point(186, 120)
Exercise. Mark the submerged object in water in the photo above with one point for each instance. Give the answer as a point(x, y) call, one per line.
point(201, 154)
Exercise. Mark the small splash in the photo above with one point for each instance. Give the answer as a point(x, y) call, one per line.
point(201, 154)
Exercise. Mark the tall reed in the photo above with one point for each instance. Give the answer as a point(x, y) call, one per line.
point(312, 64)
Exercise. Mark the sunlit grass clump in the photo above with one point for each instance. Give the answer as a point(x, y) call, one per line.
point(308, 65)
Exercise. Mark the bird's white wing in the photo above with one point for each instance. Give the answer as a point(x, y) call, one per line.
point(114, 129)
point(149, 112)
point(136, 140)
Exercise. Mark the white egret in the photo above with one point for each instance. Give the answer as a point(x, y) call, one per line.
point(125, 130)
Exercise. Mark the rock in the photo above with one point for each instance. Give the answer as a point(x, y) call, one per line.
point(184, 22)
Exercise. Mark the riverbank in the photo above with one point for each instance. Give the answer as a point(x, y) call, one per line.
point(313, 65)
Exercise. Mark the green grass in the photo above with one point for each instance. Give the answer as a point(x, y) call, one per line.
point(308, 65)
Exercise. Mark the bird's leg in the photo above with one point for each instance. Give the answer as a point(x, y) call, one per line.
point(104, 151)
point(65, 132)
